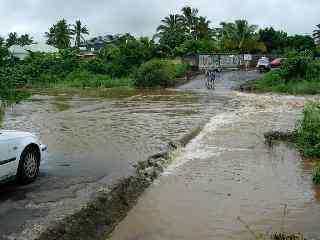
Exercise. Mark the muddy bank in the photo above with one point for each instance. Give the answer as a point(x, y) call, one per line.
point(98, 219)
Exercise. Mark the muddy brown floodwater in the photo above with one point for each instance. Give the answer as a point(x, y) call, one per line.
point(227, 171)
point(94, 137)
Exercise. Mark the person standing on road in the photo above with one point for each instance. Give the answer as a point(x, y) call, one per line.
point(211, 77)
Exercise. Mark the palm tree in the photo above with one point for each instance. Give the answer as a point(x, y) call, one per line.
point(236, 35)
point(171, 31)
point(170, 23)
point(190, 19)
point(316, 34)
point(60, 35)
point(79, 30)
point(25, 39)
point(12, 39)
point(202, 28)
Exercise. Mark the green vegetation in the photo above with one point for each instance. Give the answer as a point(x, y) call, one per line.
point(85, 79)
point(126, 61)
point(316, 175)
point(159, 73)
point(15, 39)
point(155, 73)
point(307, 132)
point(300, 74)
point(307, 136)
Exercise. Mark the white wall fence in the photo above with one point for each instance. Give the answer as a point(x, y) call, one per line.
point(227, 60)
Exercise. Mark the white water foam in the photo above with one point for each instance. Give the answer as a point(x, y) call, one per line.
point(197, 149)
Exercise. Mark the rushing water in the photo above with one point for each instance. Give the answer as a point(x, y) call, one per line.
point(227, 171)
point(93, 135)
point(96, 136)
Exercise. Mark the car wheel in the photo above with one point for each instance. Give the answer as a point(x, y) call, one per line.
point(28, 169)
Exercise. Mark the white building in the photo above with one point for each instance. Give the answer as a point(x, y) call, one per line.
point(18, 52)
point(22, 52)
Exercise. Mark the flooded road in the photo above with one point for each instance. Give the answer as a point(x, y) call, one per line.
point(93, 139)
point(228, 172)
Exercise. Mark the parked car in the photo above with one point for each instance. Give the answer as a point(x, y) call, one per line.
point(277, 62)
point(20, 156)
point(264, 64)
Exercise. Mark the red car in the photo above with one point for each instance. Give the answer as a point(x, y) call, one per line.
point(277, 62)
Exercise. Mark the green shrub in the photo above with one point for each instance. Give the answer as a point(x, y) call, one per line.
point(316, 174)
point(299, 75)
point(313, 71)
point(95, 66)
point(307, 132)
point(85, 79)
point(295, 66)
point(155, 73)
point(181, 70)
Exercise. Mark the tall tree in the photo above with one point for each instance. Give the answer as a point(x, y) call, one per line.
point(25, 39)
point(3, 51)
point(238, 35)
point(190, 16)
point(202, 28)
point(79, 30)
point(316, 34)
point(60, 35)
point(171, 32)
point(301, 43)
point(13, 39)
point(273, 40)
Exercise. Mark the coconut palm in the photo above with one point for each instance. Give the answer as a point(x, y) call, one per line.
point(60, 35)
point(237, 35)
point(202, 28)
point(316, 34)
point(12, 39)
point(171, 32)
point(171, 23)
point(190, 19)
point(79, 30)
point(25, 39)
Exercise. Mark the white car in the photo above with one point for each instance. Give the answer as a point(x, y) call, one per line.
point(20, 156)
point(264, 64)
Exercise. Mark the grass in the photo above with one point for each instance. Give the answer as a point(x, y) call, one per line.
point(307, 136)
point(82, 79)
point(316, 175)
point(181, 70)
point(2, 112)
point(307, 133)
point(272, 82)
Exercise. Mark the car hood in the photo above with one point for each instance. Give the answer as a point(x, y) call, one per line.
point(8, 134)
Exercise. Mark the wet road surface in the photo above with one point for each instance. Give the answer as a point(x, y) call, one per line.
point(228, 172)
point(93, 139)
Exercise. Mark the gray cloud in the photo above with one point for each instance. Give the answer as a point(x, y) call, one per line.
point(141, 17)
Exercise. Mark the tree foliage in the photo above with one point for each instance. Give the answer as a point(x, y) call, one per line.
point(171, 31)
point(275, 41)
point(300, 43)
point(3, 51)
point(60, 35)
point(190, 19)
point(238, 35)
point(155, 73)
point(79, 30)
point(15, 39)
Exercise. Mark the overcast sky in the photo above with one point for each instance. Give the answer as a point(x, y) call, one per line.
point(141, 17)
